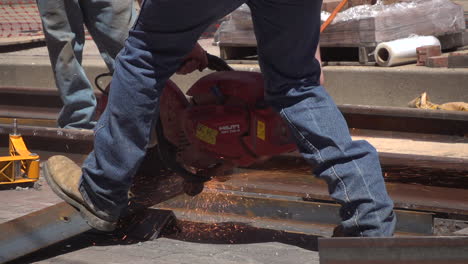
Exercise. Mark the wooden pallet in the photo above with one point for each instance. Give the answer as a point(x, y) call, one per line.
point(364, 53)
point(355, 40)
point(361, 54)
point(391, 25)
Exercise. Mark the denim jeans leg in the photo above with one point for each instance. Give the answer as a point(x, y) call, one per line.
point(163, 34)
point(108, 22)
point(287, 33)
point(64, 32)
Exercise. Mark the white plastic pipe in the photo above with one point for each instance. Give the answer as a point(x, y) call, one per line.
point(401, 51)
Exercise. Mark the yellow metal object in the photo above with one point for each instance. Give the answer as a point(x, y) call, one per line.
point(21, 166)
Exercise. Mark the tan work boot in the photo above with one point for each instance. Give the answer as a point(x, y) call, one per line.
point(63, 176)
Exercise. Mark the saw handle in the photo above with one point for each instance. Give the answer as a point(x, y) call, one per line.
point(217, 64)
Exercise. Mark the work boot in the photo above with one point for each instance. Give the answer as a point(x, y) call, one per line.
point(63, 176)
point(338, 231)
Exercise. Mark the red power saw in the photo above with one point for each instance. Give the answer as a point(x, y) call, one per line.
point(221, 122)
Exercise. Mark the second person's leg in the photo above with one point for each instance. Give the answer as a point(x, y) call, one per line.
point(109, 21)
point(64, 31)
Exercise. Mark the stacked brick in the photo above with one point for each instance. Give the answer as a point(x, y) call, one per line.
point(432, 57)
point(19, 18)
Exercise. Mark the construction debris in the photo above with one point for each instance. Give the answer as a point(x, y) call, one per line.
point(362, 26)
point(458, 60)
point(402, 51)
point(426, 52)
point(437, 62)
point(423, 102)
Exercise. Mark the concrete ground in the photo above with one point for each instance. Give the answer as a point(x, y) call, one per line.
point(93, 247)
point(362, 85)
point(347, 84)
point(32, 68)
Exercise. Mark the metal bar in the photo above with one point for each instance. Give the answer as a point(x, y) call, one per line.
point(358, 116)
point(46, 139)
point(29, 91)
point(39, 230)
point(290, 214)
point(299, 182)
point(406, 119)
point(404, 112)
point(296, 162)
point(293, 175)
point(401, 250)
point(294, 214)
point(29, 112)
point(84, 138)
point(423, 161)
point(56, 223)
point(51, 132)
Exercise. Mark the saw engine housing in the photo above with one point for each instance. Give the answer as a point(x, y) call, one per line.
point(224, 123)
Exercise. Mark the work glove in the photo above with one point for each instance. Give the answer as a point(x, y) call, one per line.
point(195, 60)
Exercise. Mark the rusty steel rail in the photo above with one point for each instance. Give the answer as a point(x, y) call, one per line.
point(59, 222)
point(280, 194)
point(407, 250)
point(56, 223)
point(39, 230)
point(72, 141)
point(406, 119)
point(26, 102)
point(306, 187)
point(287, 175)
point(282, 213)
point(42, 103)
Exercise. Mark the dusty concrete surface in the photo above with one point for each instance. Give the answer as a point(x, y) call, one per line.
point(94, 247)
point(352, 85)
point(365, 85)
point(175, 248)
point(415, 144)
point(172, 251)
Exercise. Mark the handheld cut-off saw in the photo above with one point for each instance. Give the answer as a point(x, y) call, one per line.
point(221, 122)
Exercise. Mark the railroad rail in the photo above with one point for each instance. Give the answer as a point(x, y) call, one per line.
point(279, 194)
point(45, 104)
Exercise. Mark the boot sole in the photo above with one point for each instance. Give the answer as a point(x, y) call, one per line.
point(90, 218)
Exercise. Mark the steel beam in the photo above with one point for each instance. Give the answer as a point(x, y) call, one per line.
point(38, 230)
point(300, 183)
point(401, 250)
point(56, 223)
point(80, 141)
point(45, 103)
point(282, 213)
point(405, 119)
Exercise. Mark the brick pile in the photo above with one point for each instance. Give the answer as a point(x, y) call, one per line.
point(19, 18)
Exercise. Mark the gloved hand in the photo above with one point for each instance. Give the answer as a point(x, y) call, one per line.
point(195, 60)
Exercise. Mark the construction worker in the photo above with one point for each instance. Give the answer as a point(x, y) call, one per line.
point(63, 24)
point(287, 33)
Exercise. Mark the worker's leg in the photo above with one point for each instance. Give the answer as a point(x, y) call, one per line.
point(63, 28)
point(109, 21)
point(287, 32)
point(164, 33)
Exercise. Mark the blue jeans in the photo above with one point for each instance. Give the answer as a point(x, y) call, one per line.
point(287, 32)
point(63, 21)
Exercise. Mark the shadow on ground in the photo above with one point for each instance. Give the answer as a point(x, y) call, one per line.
point(146, 224)
point(226, 233)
